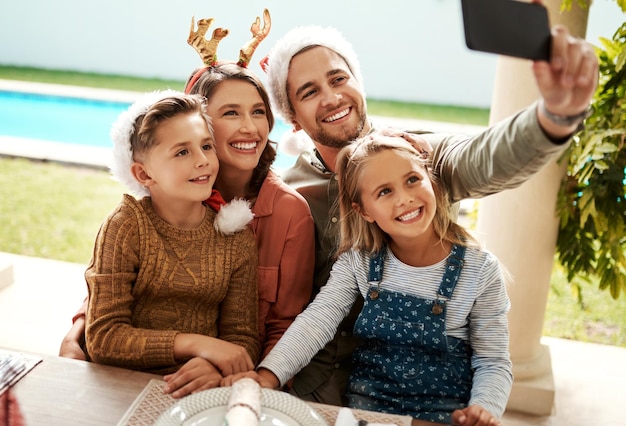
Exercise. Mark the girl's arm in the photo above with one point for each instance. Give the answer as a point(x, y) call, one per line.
point(317, 325)
point(489, 338)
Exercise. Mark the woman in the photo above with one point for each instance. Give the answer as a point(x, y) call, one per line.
point(242, 120)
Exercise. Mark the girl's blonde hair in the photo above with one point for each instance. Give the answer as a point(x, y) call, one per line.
point(358, 234)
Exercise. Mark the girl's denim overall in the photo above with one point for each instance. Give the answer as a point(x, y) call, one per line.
point(409, 365)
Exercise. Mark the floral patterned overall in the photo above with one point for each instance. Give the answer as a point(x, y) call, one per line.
point(409, 365)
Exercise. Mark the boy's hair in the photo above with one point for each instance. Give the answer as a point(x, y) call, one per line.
point(133, 131)
point(357, 233)
point(206, 85)
point(142, 139)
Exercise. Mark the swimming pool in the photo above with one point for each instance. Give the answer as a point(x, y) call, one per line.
point(58, 118)
point(71, 125)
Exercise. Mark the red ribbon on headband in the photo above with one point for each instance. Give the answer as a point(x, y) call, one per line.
point(195, 78)
point(264, 63)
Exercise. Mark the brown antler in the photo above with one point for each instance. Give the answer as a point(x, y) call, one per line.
point(258, 34)
point(206, 48)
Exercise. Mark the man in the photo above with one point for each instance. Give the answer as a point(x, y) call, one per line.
point(315, 83)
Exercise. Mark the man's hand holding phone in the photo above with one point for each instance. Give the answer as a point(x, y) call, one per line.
point(565, 67)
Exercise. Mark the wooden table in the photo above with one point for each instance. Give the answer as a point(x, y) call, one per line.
point(62, 391)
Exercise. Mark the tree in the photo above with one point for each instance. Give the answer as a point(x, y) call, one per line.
point(591, 204)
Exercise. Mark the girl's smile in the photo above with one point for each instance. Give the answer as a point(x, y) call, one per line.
point(397, 194)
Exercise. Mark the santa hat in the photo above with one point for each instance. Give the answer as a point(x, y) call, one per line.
point(231, 217)
point(121, 132)
point(277, 63)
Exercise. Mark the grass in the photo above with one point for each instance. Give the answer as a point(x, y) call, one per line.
point(54, 211)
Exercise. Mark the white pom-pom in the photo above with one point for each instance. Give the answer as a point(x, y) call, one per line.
point(295, 143)
point(233, 216)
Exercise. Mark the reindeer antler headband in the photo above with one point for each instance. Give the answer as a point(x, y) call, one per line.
point(207, 49)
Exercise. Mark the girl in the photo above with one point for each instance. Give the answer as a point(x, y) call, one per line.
point(168, 284)
point(434, 322)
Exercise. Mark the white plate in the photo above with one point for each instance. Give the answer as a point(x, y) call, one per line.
point(208, 408)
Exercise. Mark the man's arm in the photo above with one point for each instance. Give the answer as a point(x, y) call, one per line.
point(502, 157)
point(508, 153)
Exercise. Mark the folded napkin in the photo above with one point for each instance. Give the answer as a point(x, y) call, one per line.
point(244, 404)
point(345, 417)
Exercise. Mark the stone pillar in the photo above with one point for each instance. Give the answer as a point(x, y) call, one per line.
point(520, 226)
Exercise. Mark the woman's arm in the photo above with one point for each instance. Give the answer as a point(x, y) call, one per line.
point(71, 346)
point(238, 315)
point(296, 249)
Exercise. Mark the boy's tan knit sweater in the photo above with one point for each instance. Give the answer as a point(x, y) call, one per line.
point(149, 281)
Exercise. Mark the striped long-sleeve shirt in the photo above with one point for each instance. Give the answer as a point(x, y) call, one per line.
point(476, 313)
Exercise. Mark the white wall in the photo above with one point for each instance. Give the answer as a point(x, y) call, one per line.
point(410, 49)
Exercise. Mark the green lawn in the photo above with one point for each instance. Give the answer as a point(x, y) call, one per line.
point(54, 211)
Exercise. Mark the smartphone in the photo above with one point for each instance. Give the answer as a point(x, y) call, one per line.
point(507, 27)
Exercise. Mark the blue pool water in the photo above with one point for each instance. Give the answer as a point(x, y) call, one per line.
point(57, 118)
point(73, 120)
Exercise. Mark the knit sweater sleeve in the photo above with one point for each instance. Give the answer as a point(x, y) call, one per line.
point(110, 337)
point(238, 317)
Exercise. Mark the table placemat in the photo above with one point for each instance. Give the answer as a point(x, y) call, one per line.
point(152, 402)
point(148, 405)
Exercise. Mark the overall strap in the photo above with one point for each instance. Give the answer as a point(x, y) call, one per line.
point(451, 275)
point(376, 266)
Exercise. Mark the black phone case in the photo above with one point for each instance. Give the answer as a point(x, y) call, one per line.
point(507, 27)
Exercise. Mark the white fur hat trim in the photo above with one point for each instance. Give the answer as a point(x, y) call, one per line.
point(121, 131)
point(295, 143)
point(279, 60)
